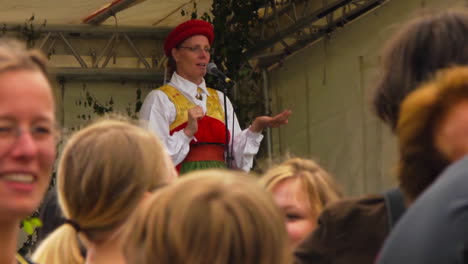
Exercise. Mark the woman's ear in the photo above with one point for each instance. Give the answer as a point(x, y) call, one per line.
point(175, 54)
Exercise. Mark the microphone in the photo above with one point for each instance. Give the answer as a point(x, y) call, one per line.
point(212, 69)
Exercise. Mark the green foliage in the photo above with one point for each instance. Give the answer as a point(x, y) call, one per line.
point(101, 108)
point(29, 31)
point(30, 226)
point(233, 22)
point(132, 112)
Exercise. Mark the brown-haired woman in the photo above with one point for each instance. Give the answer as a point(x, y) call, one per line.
point(212, 216)
point(104, 172)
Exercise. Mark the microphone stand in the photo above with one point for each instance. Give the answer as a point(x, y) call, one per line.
point(228, 156)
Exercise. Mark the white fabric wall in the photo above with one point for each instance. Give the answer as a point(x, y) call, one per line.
point(328, 87)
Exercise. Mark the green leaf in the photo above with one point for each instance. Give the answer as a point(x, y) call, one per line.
point(28, 227)
point(36, 222)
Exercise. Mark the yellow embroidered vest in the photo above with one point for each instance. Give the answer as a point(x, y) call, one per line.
point(182, 104)
point(211, 134)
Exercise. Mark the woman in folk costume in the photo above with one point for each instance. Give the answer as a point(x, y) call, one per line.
point(189, 117)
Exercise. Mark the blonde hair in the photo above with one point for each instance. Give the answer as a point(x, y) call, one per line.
point(103, 173)
point(317, 184)
point(211, 216)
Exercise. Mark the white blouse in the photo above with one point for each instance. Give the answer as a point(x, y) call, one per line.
point(158, 112)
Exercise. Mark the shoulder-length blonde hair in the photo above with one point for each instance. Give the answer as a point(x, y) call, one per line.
point(317, 184)
point(211, 216)
point(103, 173)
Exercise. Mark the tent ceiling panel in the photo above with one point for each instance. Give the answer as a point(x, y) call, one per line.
point(149, 13)
point(287, 27)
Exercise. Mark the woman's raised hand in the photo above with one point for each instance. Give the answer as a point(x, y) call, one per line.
point(263, 122)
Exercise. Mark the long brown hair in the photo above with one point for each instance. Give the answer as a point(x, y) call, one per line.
point(426, 44)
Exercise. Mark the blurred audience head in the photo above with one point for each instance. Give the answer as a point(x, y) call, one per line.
point(103, 174)
point(423, 46)
point(432, 129)
point(209, 216)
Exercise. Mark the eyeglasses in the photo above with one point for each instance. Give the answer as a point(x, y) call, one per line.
point(42, 132)
point(199, 49)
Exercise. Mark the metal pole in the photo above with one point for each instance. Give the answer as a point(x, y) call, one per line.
point(104, 50)
point(266, 101)
point(142, 59)
point(73, 51)
point(44, 41)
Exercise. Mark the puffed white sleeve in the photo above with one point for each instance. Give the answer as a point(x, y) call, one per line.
point(246, 143)
point(157, 113)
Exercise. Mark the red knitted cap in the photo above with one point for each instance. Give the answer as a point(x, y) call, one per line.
point(186, 30)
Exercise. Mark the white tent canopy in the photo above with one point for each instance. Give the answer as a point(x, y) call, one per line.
point(148, 13)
